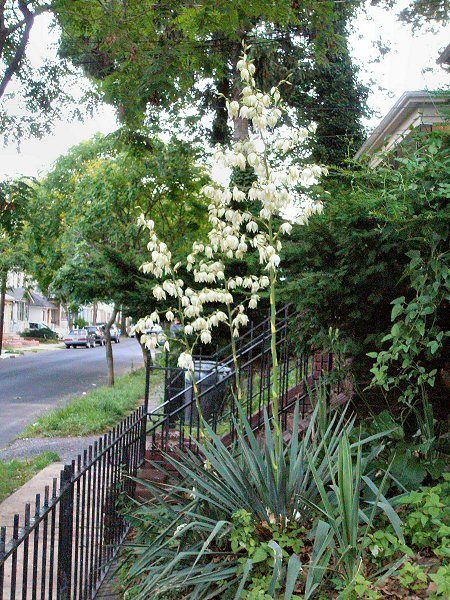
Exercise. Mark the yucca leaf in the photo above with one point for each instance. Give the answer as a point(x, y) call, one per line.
point(278, 561)
point(245, 574)
point(293, 570)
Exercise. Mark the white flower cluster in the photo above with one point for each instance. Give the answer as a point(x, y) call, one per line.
point(236, 228)
point(235, 231)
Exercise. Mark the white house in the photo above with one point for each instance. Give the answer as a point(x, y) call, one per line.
point(19, 310)
point(421, 110)
point(41, 309)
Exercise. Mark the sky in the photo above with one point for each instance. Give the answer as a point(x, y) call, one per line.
point(410, 65)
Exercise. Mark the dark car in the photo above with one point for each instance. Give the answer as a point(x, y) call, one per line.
point(80, 337)
point(114, 331)
point(98, 332)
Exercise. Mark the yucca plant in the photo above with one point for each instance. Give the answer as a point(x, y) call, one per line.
point(350, 505)
point(183, 541)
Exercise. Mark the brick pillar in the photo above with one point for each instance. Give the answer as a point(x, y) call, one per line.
point(317, 365)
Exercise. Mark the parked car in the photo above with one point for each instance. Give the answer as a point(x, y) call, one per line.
point(98, 332)
point(37, 326)
point(115, 332)
point(80, 337)
point(154, 329)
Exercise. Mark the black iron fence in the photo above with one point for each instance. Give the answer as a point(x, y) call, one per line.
point(62, 547)
point(175, 424)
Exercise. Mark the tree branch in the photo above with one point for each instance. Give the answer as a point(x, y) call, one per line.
point(27, 23)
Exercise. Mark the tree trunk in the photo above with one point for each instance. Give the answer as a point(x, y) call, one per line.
point(109, 352)
point(240, 132)
point(145, 353)
point(94, 313)
point(123, 322)
point(2, 308)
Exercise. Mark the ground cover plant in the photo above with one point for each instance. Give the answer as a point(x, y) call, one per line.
point(98, 411)
point(14, 473)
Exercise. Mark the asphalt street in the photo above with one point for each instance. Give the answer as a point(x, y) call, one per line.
point(32, 384)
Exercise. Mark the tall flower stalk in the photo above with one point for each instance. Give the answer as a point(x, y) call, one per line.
point(278, 187)
point(241, 222)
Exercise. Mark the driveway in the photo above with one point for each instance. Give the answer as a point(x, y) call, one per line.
point(31, 384)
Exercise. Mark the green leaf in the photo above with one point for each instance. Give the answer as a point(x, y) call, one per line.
point(397, 310)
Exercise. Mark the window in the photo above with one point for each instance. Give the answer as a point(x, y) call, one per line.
point(21, 311)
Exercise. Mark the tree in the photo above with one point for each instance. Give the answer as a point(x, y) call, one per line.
point(84, 232)
point(149, 59)
point(14, 197)
point(153, 55)
point(31, 96)
point(348, 265)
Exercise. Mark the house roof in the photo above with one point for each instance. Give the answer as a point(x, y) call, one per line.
point(40, 300)
point(19, 294)
point(22, 294)
point(9, 298)
point(402, 109)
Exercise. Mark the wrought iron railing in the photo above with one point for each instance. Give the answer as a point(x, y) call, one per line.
point(63, 547)
point(175, 423)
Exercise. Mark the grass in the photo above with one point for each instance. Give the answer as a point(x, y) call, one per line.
point(14, 473)
point(94, 413)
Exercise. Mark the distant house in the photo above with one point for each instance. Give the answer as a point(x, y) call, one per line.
point(41, 309)
point(19, 310)
point(9, 307)
point(25, 304)
point(414, 111)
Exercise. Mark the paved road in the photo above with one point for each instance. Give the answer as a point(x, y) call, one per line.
point(32, 384)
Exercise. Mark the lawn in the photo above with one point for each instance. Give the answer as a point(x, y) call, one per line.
point(96, 412)
point(15, 473)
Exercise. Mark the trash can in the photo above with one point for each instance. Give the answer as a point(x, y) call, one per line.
point(215, 378)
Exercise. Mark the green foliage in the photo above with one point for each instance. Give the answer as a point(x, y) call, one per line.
point(426, 527)
point(442, 580)
point(40, 334)
point(413, 577)
point(238, 523)
point(14, 473)
point(83, 231)
point(363, 588)
point(79, 323)
point(416, 337)
point(345, 267)
point(149, 62)
point(427, 520)
point(96, 412)
point(415, 453)
point(344, 511)
point(14, 209)
point(384, 545)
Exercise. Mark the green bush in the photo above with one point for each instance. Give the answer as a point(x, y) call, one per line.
point(344, 268)
point(40, 334)
point(414, 447)
point(416, 337)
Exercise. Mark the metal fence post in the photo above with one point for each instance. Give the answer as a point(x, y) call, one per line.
point(65, 538)
point(142, 446)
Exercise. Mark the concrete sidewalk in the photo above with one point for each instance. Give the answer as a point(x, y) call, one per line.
point(35, 348)
point(15, 503)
